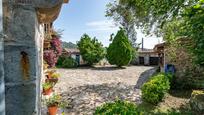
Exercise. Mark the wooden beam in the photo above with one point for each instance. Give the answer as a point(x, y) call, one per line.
point(66, 1)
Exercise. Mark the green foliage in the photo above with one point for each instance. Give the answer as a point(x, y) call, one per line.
point(66, 62)
point(194, 16)
point(69, 63)
point(118, 108)
point(56, 100)
point(92, 50)
point(169, 19)
point(123, 16)
point(120, 50)
point(47, 85)
point(155, 90)
point(134, 56)
point(60, 61)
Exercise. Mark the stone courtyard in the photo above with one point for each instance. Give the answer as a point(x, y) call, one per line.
point(86, 88)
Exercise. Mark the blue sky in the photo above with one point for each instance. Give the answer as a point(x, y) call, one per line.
point(88, 16)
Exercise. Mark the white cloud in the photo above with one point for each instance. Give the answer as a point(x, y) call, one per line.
point(103, 25)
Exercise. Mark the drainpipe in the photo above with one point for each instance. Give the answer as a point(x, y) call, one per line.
point(2, 85)
point(142, 44)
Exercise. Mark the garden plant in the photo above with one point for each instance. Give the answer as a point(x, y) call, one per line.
point(120, 51)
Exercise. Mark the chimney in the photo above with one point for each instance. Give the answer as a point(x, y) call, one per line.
point(142, 43)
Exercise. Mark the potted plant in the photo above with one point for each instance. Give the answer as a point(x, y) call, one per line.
point(53, 103)
point(47, 88)
point(53, 78)
point(49, 73)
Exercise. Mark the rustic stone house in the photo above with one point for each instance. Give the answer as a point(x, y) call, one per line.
point(187, 74)
point(147, 57)
point(21, 45)
point(75, 54)
point(159, 49)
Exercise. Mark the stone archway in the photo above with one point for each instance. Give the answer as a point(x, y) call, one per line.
point(21, 69)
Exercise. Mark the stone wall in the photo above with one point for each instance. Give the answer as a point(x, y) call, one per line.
point(21, 53)
point(188, 75)
point(22, 60)
point(197, 101)
point(2, 87)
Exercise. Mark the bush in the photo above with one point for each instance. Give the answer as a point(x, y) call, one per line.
point(66, 62)
point(69, 63)
point(118, 108)
point(60, 61)
point(120, 50)
point(155, 90)
point(92, 50)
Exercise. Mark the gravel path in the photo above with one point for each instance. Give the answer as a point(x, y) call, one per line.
point(87, 88)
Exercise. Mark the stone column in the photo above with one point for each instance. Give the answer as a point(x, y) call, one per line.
point(2, 86)
point(22, 63)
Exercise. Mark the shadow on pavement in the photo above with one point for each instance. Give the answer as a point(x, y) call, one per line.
point(144, 77)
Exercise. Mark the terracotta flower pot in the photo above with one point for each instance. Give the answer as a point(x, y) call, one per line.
point(47, 91)
point(52, 110)
point(52, 80)
point(48, 76)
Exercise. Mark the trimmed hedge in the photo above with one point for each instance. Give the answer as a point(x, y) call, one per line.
point(155, 90)
point(118, 107)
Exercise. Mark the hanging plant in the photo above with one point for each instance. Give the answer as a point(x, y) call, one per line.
point(56, 45)
point(52, 47)
point(50, 57)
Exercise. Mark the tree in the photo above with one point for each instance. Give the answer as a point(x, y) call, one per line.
point(92, 50)
point(153, 16)
point(194, 26)
point(120, 50)
point(123, 16)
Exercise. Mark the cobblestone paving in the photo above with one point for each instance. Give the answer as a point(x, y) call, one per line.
point(87, 88)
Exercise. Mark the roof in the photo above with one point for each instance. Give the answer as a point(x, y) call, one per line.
point(159, 48)
point(144, 50)
point(72, 51)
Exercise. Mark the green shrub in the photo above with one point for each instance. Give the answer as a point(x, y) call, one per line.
point(92, 50)
point(154, 90)
point(120, 50)
point(60, 61)
point(69, 63)
point(118, 108)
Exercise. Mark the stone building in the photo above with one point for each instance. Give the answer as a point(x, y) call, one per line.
point(147, 57)
point(75, 54)
point(188, 75)
point(21, 45)
point(159, 49)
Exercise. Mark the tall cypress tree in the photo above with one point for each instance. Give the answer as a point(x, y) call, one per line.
point(119, 51)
